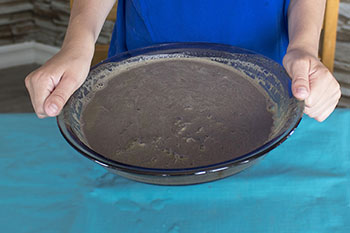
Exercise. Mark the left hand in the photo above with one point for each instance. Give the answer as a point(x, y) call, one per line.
point(313, 83)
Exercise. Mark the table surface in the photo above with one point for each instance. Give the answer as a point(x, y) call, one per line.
point(301, 186)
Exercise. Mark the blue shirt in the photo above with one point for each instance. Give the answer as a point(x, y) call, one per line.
point(258, 25)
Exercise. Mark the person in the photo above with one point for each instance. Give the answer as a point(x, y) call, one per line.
point(286, 31)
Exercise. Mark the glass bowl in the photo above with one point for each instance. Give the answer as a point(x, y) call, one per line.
point(271, 76)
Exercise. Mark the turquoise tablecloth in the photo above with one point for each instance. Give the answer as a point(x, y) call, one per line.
point(302, 186)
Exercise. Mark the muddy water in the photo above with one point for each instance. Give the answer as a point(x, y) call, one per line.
point(176, 114)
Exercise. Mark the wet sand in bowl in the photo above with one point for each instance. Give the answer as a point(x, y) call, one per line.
point(177, 113)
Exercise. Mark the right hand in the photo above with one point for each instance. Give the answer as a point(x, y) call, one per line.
point(51, 85)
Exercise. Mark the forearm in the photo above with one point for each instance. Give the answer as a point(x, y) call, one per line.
point(305, 19)
point(85, 23)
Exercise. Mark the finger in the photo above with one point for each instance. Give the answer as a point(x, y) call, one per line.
point(31, 94)
point(323, 86)
point(318, 110)
point(326, 113)
point(317, 103)
point(58, 98)
point(39, 86)
point(299, 72)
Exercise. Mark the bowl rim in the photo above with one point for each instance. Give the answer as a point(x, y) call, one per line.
point(73, 140)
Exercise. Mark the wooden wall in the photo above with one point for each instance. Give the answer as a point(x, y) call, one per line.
point(342, 55)
point(44, 21)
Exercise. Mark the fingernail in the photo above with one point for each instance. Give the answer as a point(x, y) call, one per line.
point(52, 109)
point(302, 92)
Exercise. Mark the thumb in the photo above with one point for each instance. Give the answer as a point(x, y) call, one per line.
point(58, 98)
point(300, 79)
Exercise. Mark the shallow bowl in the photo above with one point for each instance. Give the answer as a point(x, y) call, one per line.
point(271, 77)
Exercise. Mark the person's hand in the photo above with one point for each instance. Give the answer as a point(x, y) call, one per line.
point(51, 85)
point(313, 83)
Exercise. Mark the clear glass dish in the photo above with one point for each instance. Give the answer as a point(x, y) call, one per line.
point(275, 82)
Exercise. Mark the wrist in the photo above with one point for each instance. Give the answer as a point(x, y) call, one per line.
point(79, 49)
point(80, 41)
point(312, 50)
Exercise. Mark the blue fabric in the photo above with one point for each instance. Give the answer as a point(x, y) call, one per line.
point(301, 186)
point(258, 25)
